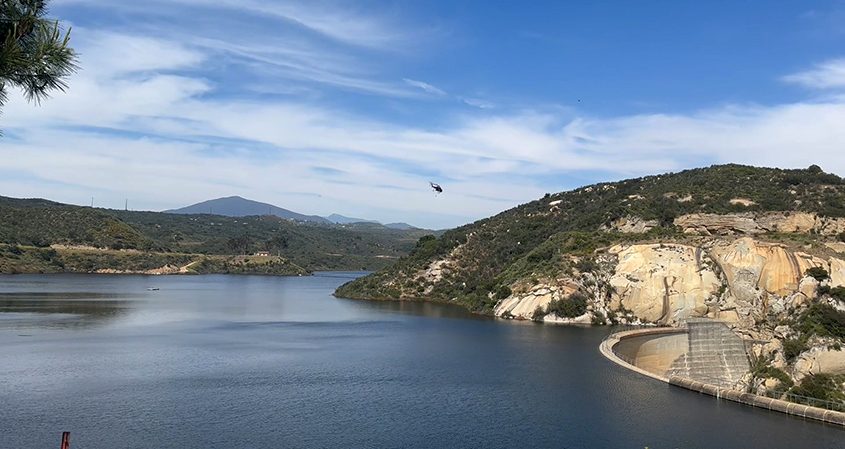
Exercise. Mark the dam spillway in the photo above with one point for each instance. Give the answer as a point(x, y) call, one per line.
point(703, 350)
point(716, 355)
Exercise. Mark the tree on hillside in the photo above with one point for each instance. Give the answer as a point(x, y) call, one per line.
point(35, 55)
point(239, 245)
point(277, 244)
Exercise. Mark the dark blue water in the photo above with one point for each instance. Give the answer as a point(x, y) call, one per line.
point(264, 362)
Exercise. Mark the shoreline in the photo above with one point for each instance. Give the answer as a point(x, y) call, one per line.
point(790, 408)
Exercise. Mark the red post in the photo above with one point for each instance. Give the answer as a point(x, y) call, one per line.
point(65, 440)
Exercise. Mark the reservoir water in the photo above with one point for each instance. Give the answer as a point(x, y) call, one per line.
point(241, 362)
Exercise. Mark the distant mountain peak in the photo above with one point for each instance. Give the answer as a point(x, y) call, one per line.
point(237, 206)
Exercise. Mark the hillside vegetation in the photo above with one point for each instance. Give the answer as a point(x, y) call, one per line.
point(30, 227)
point(488, 256)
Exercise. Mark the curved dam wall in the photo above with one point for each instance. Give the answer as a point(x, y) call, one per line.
point(706, 351)
point(664, 354)
point(654, 353)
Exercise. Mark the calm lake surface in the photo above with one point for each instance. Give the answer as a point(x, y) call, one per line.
point(242, 362)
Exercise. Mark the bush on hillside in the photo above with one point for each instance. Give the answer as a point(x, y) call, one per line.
point(570, 307)
point(825, 387)
point(822, 320)
point(538, 314)
point(818, 273)
point(793, 347)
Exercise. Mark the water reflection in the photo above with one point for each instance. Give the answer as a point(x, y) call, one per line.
point(421, 308)
point(60, 310)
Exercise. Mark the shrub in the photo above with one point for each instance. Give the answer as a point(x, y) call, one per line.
point(819, 273)
point(775, 373)
point(820, 386)
point(570, 307)
point(538, 314)
point(503, 292)
point(793, 347)
point(822, 320)
point(838, 293)
point(585, 265)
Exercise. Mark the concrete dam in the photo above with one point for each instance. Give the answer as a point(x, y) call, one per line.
point(705, 350)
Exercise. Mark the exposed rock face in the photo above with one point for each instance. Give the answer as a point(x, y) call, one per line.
point(758, 223)
point(632, 225)
point(772, 350)
point(753, 268)
point(837, 272)
point(660, 282)
point(523, 305)
point(742, 202)
point(839, 247)
point(819, 359)
point(709, 224)
point(739, 281)
point(434, 272)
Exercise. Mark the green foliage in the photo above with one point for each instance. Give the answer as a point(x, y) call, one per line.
point(793, 347)
point(539, 240)
point(570, 307)
point(822, 320)
point(825, 387)
point(503, 292)
point(35, 54)
point(818, 273)
point(766, 372)
point(42, 223)
point(837, 292)
point(538, 314)
point(246, 265)
point(87, 261)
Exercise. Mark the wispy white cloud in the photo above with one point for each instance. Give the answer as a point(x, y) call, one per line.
point(827, 75)
point(424, 86)
point(478, 103)
point(334, 20)
point(306, 43)
point(145, 120)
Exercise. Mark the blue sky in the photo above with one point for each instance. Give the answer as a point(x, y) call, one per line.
point(352, 107)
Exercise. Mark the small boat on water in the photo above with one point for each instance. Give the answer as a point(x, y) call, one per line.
point(152, 289)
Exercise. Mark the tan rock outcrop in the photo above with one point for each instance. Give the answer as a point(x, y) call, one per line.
point(839, 247)
point(750, 223)
point(837, 272)
point(819, 359)
point(742, 202)
point(715, 224)
point(787, 221)
point(830, 226)
point(631, 225)
point(434, 272)
point(661, 282)
point(753, 267)
point(523, 305)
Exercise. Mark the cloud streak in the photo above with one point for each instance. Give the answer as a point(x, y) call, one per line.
point(424, 86)
point(827, 75)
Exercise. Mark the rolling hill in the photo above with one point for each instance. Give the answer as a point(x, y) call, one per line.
point(36, 225)
point(235, 206)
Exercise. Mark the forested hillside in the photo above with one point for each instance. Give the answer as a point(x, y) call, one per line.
point(482, 260)
point(40, 223)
